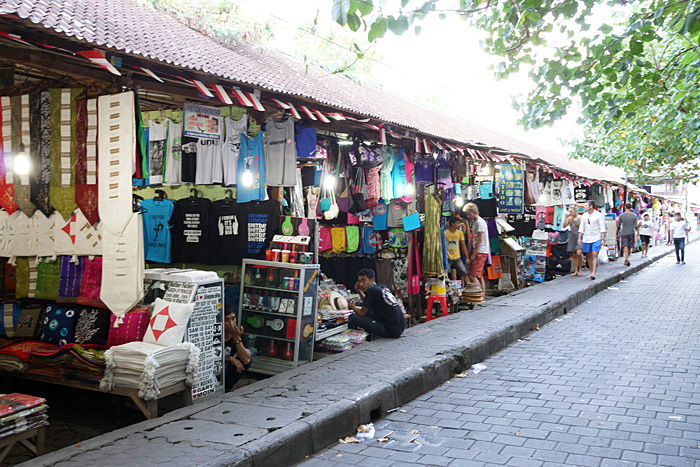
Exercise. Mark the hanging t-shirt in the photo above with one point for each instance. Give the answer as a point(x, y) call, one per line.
point(280, 152)
point(409, 177)
point(210, 164)
point(546, 194)
point(312, 194)
point(188, 161)
point(398, 175)
point(398, 209)
point(540, 217)
point(568, 193)
point(258, 222)
point(223, 232)
point(374, 187)
point(558, 218)
point(251, 158)
point(581, 194)
point(157, 136)
point(371, 240)
point(524, 224)
point(306, 140)
point(425, 170)
point(156, 229)
point(190, 223)
point(379, 215)
point(557, 193)
point(486, 189)
point(232, 148)
point(385, 174)
point(549, 216)
point(173, 154)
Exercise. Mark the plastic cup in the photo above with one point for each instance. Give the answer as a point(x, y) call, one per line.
point(276, 254)
point(293, 255)
point(269, 254)
point(285, 256)
point(306, 257)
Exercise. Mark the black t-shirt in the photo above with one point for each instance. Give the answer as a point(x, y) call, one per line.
point(189, 159)
point(487, 207)
point(581, 194)
point(524, 223)
point(223, 232)
point(190, 223)
point(385, 308)
point(258, 222)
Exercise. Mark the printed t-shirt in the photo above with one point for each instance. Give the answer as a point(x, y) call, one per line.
point(627, 222)
point(173, 154)
point(398, 175)
point(258, 223)
point(453, 240)
point(581, 194)
point(210, 164)
point(156, 229)
point(398, 209)
point(371, 240)
point(189, 159)
point(190, 223)
point(387, 189)
point(425, 170)
point(232, 148)
point(557, 193)
point(157, 136)
point(251, 156)
point(645, 227)
point(223, 232)
point(558, 218)
point(280, 152)
point(312, 194)
point(486, 189)
point(380, 214)
point(480, 226)
point(524, 224)
point(385, 308)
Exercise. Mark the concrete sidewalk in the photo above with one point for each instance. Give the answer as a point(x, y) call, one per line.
point(282, 419)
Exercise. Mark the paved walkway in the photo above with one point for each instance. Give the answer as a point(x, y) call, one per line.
point(615, 382)
point(289, 416)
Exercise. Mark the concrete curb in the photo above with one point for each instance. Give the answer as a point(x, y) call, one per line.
point(315, 431)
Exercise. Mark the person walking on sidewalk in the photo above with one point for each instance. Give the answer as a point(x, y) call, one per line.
point(591, 235)
point(573, 220)
point(679, 229)
point(646, 233)
point(481, 247)
point(626, 228)
point(456, 244)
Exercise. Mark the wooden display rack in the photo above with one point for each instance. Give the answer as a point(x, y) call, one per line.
point(32, 439)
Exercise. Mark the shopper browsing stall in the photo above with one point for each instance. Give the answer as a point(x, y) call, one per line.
point(456, 245)
point(381, 313)
point(573, 221)
point(626, 229)
point(238, 357)
point(591, 235)
point(480, 253)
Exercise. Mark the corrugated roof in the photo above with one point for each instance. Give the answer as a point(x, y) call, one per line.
point(131, 28)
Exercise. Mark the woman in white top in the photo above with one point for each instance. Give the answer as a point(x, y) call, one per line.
point(646, 233)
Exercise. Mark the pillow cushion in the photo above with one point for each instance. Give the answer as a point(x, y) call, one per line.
point(30, 321)
point(59, 324)
point(92, 326)
point(168, 322)
point(132, 328)
point(9, 316)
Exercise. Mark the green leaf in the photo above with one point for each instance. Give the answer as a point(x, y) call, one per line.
point(417, 30)
point(404, 3)
point(399, 25)
point(605, 29)
point(354, 22)
point(339, 11)
point(377, 30)
point(365, 7)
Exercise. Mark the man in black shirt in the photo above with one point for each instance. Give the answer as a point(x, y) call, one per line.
point(237, 356)
point(381, 313)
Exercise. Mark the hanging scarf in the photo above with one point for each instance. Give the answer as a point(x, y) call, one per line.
point(91, 284)
point(21, 137)
point(414, 272)
point(63, 116)
point(7, 189)
point(48, 273)
point(40, 146)
point(432, 249)
point(88, 240)
point(116, 140)
point(22, 278)
point(69, 279)
point(44, 227)
point(5, 235)
point(86, 159)
point(122, 267)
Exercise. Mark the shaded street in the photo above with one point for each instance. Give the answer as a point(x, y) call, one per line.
point(613, 382)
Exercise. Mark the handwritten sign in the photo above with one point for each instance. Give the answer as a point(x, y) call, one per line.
point(203, 122)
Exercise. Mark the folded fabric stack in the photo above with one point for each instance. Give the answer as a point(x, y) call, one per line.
point(86, 365)
point(343, 341)
point(49, 361)
point(149, 367)
point(15, 357)
point(20, 412)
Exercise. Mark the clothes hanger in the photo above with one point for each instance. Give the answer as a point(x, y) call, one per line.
point(194, 196)
point(228, 201)
point(160, 195)
point(135, 204)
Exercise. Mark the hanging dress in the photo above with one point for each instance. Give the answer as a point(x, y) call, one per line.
point(433, 265)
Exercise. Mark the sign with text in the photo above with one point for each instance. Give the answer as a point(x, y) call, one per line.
point(203, 122)
point(510, 199)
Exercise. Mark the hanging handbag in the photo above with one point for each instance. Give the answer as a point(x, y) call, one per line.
point(411, 222)
point(362, 155)
point(325, 202)
point(495, 271)
point(358, 197)
point(342, 191)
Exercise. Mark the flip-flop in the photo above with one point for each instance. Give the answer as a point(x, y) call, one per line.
point(592, 278)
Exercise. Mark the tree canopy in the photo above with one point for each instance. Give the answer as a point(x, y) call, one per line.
point(629, 68)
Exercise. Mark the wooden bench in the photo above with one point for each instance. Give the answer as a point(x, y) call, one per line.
point(148, 408)
point(32, 439)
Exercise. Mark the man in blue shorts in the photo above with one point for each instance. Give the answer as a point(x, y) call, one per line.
point(591, 235)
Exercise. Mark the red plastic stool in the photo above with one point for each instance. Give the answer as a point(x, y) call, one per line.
point(442, 299)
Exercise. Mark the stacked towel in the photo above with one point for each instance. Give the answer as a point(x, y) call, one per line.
point(149, 367)
point(20, 412)
point(86, 365)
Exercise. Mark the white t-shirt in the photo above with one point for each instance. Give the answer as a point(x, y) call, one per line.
point(210, 165)
point(678, 228)
point(173, 154)
point(592, 227)
point(645, 227)
point(157, 135)
point(480, 226)
point(232, 149)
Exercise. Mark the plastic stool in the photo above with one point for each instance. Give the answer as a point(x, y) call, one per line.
point(442, 299)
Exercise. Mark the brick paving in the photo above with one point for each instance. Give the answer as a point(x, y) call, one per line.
point(614, 382)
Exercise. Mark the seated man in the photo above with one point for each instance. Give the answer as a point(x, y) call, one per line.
point(381, 313)
point(237, 356)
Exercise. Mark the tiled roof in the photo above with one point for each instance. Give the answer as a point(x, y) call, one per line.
point(131, 28)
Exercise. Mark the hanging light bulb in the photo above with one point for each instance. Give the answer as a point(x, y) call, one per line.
point(329, 182)
point(459, 201)
point(410, 190)
point(20, 164)
point(247, 177)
